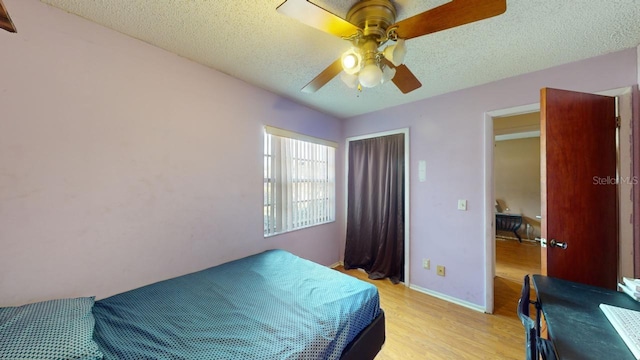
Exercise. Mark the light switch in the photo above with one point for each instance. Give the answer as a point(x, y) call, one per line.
point(422, 171)
point(462, 205)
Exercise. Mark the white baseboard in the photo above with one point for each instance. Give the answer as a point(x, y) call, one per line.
point(436, 294)
point(448, 298)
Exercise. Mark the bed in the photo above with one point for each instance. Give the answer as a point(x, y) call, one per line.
point(272, 305)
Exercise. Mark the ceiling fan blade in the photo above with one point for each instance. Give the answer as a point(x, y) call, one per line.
point(317, 17)
point(324, 77)
point(404, 78)
point(449, 15)
point(5, 20)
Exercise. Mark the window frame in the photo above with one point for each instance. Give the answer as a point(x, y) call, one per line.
point(299, 181)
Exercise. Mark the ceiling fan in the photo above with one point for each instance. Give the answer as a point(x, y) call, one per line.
point(370, 24)
point(5, 20)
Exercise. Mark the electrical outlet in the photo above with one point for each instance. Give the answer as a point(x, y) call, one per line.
point(426, 263)
point(440, 270)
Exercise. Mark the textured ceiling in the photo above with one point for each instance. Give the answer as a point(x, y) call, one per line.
point(249, 40)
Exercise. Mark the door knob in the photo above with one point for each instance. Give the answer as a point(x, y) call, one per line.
point(558, 244)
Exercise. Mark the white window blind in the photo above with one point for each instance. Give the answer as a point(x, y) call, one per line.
point(299, 181)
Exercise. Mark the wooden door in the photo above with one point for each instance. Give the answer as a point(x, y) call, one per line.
point(579, 187)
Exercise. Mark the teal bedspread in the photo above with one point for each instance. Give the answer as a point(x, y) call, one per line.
point(272, 305)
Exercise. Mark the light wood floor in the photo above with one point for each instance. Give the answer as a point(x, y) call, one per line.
point(514, 260)
point(420, 326)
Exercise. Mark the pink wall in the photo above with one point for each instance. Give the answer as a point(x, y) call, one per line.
point(122, 164)
point(448, 133)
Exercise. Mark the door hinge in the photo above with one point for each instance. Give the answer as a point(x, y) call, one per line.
point(618, 122)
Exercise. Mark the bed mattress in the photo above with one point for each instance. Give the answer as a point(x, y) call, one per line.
point(272, 305)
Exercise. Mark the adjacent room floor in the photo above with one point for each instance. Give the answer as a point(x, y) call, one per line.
point(514, 259)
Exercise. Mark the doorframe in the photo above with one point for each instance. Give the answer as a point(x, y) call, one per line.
point(407, 196)
point(625, 207)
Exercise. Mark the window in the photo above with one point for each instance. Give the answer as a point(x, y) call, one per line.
point(299, 181)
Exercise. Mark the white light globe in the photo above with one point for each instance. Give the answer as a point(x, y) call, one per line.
point(396, 53)
point(370, 75)
point(387, 74)
point(351, 61)
point(350, 80)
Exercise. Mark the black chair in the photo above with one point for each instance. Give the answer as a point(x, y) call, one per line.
point(535, 346)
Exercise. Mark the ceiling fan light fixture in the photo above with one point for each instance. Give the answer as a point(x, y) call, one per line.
point(351, 80)
point(351, 61)
point(370, 75)
point(395, 53)
point(387, 74)
point(370, 24)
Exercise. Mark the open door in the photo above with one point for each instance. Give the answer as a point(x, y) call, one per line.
point(579, 187)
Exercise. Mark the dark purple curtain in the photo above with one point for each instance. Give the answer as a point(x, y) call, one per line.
point(375, 207)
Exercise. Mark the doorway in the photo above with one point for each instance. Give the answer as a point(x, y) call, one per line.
point(517, 195)
point(405, 133)
point(625, 204)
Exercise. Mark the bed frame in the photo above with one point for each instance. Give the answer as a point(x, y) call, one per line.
point(368, 343)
